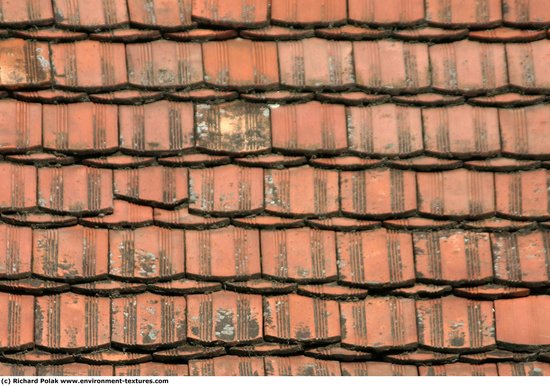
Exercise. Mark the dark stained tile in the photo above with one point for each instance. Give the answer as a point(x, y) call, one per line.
point(527, 68)
point(26, 13)
point(33, 286)
point(377, 369)
point(382, 323)
point(271, 161)
point(267, 348)
point(187, 352)
point(203, 95)
point(461, 131)
point(126, 35)
point(74, 370)
point(460, 370)
point(392, 66)
point(118, 161)
point(184, 287)
point(16, 255)
point(71, 322)
point(491, 292)
point(233, 127)
point(393, 12)
point(300, 366)
point(126, 97)
point(377, 258)
point(152, 369)
point(18, 190)
point(277, 33)
point(302, 191)
point(261, 286)
point(72, 254)
point(181, 218)
point(453, 324)
point(509, 99)
point(97, 128)
point(240, 63)
point(456, 193)
point(152, 185)
point(147, 253)
point(525, 132)
point(37, 357)
point(468, 67)
point(89, 65)
point(301, 319)
point(498, 224)
point(303, 255)
point(309, 12)
point(49, 34)
point(24, 63)
point(224, 253)
point(224, 317)
point(464, 13)
point(523, 369)
point(453, 256)
point(502, 164)
point(13, 370)
point(20, 126)
point(430, 34)
point(40, 159)
point(164, 64)
point(277, 96)
point(195, 160)
point(77, 190)
point(113, 357)
point(337, 353)
point(523, 195)
point(420, 290)
point(159, 128)
point(267, 222)
point(166, 15)
point(227, 365)
point(521, 258)
point(108, 288)
point(125, 214)
point(230, 13)
point(226, 190)
point(378, 193)
point(84, 15)
point(530, 13)
point(506, 35)
point(16, 327)
point(50, 96)
point(309, 127)
point(316, 63)
point(385, 130)
point(148, 321)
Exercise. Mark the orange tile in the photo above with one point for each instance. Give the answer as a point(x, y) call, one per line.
point(18, 190)
point(332, 291)
point(166, 15)
point(525, 132)
point(506, 35)
point(231, 13)
point(16, 256)
point(300, 366)
point(377, 369)
point(184, 287)
point(16, 327)
point(181, 218)
point(224, 317)
point(388, 13)
point(14, 370)
point(460, 370)
point(309, 12)
point(491, 292)
point(530, 13)
point(124, 214)
point(430, 34)
point(274, 32)
point(26, 13)
point(523, 195)
point(152, 369)
point(20, 126)
point(82, 14)
point(74, 370)
point(187, 352)
point(47, 34)
point(464, 13)
point(523, 369)
point(227, 365)
point(24, 63)
point(527, 69)
point(126, 35)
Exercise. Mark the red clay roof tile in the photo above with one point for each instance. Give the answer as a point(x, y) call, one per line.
point(231, 13)
point(502, 164)
point(422, 290)
point(351, 32)
point(50, 34)
point(50, 96)
point(507, 100)
point(277, 33)
point(527, 68)
point(26, 13)
point(270, 161)
point(525, 132)
point(24, 63)
point(152, 369)
point(506, 35)
point(181, 218)
point(523, 195)
point(20, 126)
point(525, 13)
point(198, 160)
point(523, 369)
point(126, 97)
point(81, 14)
point(126, 35)
point(496, 355)
point(342, 223)
point(74, 370)
point(184, 286)
point(166, 15)
point(187, 352)
point(267, 348)
point(201, 35)
point(491, 292)
point(113, 357)
point(308, 12)
point(124, 214)
point(261, 286)
point(332, 291)
point(18, 192)
point(267, 222)
point(430, 34)
point(469, 13)
point(13, 370)
point(33, 286)
point(119, 161)
point(108, 288)
point(352, 98)
point(460, 369)
point(394, 12)
point(300, 366)
point(18, 313)
point(16, 256)
point(345, 163)
point(421, 356)
point(377, 369)
point(338, 353)
point(227, 365)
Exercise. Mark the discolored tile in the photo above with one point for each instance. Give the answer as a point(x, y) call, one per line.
point(523, 369)
point(224, 253)
point(380, 324)
point(77, 190)
point(491, 292)
point(148, 321)
point(430, 34)
point(352, 98)
point(385, 130)
point(71, 322)
point(40, 159)
point(456, 193)
point(20, 126)
point(227, 365)
point(147, 253)
point(277, 96)
point(16, 256)
point(226, 190)
point(164, 64)
point(124, 214)
point(260, 286)
point(302, 319)
point(377, 369)
point(523, 195)
point(262, 349)
point(378, 193)
point(303, 255)
point(271, 161)
point(187, 352)
point(302, 191)
point(530, 13)
point(453, 256)
point(233, 127)
point(224, 317)
point(461, 131)
point(277, 33)
point(506, 35)
point(74, 370)
point(126, 97)
point(468, 67)
point(39, 220)
point(181, 218)
point(521, 258)
point(16, 327)
point(308, 12)
point(418, 223)
point(240, 63)
point(73, 254)
point(18, 190)
point(428, 99)
point(108, 288)
point(33, 286)
point(392, 66)
point(159, 128)
point(97, 128)
point(184, 287)
point(460, 370)
point(230, 13)
point(309, 127)
point(26, 13)
point(377, 258)
point(24, 63)
point(13, 370)
point(195, 160)
point(394, 12)
point(498, 224)
point(301, 366)
point(152, 369)
point(420, 290)
point(453, 324)
point(203, 95)
point(422, 357)
point(201, 35)
point(89, 65)
point(460, 13)
point(527, 68)
point(84, 15)
point(165, 15)
point(316, 64)
point(153, 185)
point(525, 132)
point(425, 163)
point(113, 357)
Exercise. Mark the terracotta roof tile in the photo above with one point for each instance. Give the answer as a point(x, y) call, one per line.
point(201, 35)
point(50, 34)
point(166, 15)
point(469, 13)
point(491, 291)
point(508, 99)
point(20, 126)
point(15, 261)
point(337, 353)
point(113, 357)
point(506, 35)
point(267, 222)
point(393, 12)
point(377, 369)
point(237, 14)
point(342, 223)
point(187, 352)
point(126, 35)
point(124, 214)
point(261, 286)
point(352, 98)
point(33, 286)
point(26, 13)
point(266, 349)
point(345, 163)
point(126, 97)
point(81, 14)
point(19, 188)
point(430, 34)
point(300, 366)
point(351, 32)
point(428, 99)
point(277, 33)
point(118, 161)
point(74, 370)
point(332, 291)
point(421, 356)
point(184, 286)
point(460, 369)
point(227, 365)
point(152, 369)
point(197, 160)
point(17, 370)
point(425, 163)
point(526, 67)
point(181, 218)
point(525, 13)
point(270, 161)
point(110, 288)
point(496, 355)
point(502, 164)
point(39, 220)
point(19, 310)
point(24, 63)
point(523, 369)
point(309, 12)
point(523, 195)
point(50, 96)
point(422, 290)
point(517, 141)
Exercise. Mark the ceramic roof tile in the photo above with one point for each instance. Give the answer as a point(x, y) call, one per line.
point(19, 188)
point(126, 35)
point(227, 365)
point(15, 261)
point(124, 214)
point(50, 34)
point(316, 63)
point(286, 191)
point(261, 286)
point(460, 369)
point(126, 97)
point(309, 12)
point(469, 13)
point(268, 222)
point(75, 370)
point(377, 258)
point(392, 66)
point(300, 366)
point(302, 254)
point(146, 253)
point(110, 288)
point(430, 34)
point(184, 286)
point(523, 369)
point(81, 14)
point(167, 15)
point(525, 13)
point(14, 370)
point(187, 352)
point(181, 218)
point(337, 353)
point(24, 63)
point(201, 35)
point(394, 12)
point(506, 35)
point(523, 195)
point(237, 14)
point(332, 291)
point(508, 99)
point(267, 348)
point(277, 33)
point(20, 126)
point(525, 131)
point(384, 323)
point(26, 13)
point(526, 66)
point(491, 292)
point(421, 356)
point(377, 369)
point(19, 311)
point(309, 127)
point(152, 369)
point(33, 286)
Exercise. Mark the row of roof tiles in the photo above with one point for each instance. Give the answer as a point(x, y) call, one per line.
point(465, 67)
point(278, 366)
point(378, 258)
point(182, 14)
point(237, 127)
point(232, 190)
point(72, 323)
